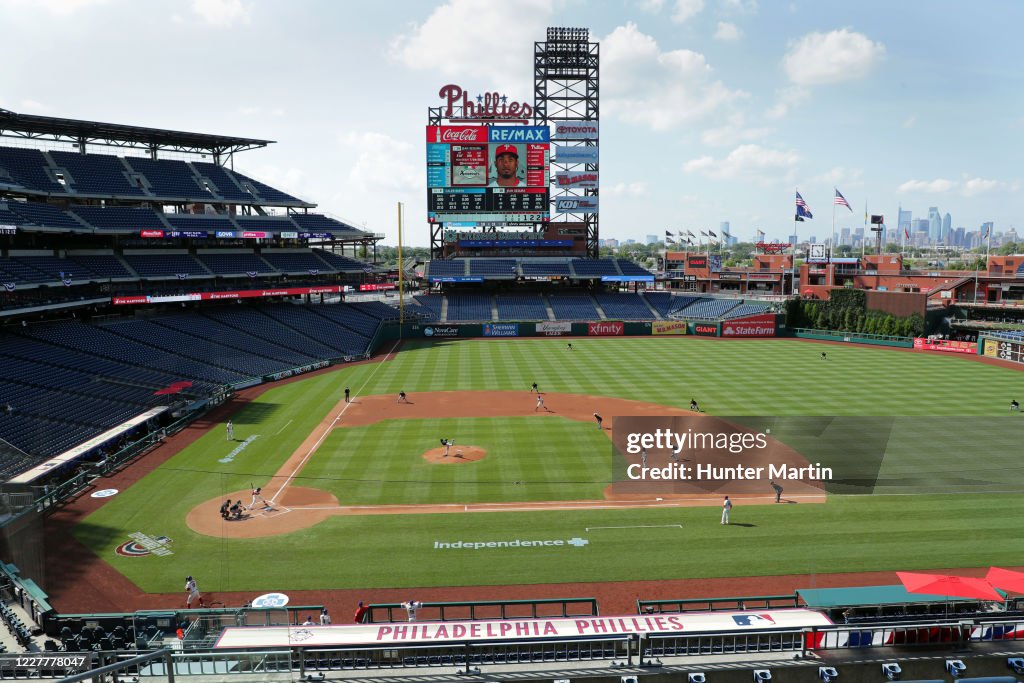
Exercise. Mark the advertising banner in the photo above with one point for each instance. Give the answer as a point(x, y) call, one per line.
point(501, 329)
point(225, 234)
point(696, 262)
point(554, 329)
point(705, 329)
point(576, 130)
point(666, 327)
point(441, 331)
point(456, 135)
point(627, 278)
point(751, 326)
point(289, 235)
point(576, 204)
point(575, 181)
point(1006, 350)
point(255, 234)
point(190, 234)
point(576, 155)
point(151, 233)
point(606, 329)
point(216, 296)
point(945, 345)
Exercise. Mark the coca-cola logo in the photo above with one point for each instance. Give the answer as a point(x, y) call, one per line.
point(458, 135)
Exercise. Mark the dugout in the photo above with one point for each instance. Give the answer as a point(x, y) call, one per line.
point(892, 603)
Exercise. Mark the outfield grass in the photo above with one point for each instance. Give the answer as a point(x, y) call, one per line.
point(558, 459)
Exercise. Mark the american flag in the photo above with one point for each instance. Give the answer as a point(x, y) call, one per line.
point(840, 201)
point(801, 208)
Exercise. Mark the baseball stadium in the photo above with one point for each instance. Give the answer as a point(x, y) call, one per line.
point(235, 448)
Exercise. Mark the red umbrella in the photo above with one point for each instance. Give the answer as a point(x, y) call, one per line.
point(949, 586)
point(1006, 579)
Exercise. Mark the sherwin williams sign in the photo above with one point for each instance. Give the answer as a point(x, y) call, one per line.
point(501, 329)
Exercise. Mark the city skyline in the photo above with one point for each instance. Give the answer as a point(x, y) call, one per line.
point(712, 110)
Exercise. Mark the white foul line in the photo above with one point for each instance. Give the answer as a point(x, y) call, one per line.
point(312, 449)
point(641, 526)
point(282, 428)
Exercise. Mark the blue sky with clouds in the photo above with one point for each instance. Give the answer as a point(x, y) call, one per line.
point(711, 110)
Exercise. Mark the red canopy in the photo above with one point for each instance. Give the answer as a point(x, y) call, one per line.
point(950, 586)
point(1006, 579)
point(174, 388)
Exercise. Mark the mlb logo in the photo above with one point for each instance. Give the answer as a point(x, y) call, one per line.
point(753, 620)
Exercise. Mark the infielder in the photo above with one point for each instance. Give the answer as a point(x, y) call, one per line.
point(192, 593)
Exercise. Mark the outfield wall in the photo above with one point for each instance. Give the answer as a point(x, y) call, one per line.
point(760, 326)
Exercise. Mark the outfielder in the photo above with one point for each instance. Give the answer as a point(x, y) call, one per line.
point(192, 592)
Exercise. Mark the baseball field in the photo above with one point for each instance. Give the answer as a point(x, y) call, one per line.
point(362, 495)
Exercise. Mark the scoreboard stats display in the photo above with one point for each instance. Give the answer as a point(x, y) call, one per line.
point(1004, 350)
point(488, 174)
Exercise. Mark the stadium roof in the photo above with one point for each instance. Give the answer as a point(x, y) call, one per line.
point(120, 135)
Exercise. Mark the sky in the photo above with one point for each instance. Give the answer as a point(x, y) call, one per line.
point(711, 110)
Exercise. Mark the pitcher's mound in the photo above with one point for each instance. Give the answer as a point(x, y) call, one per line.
point(456, 454)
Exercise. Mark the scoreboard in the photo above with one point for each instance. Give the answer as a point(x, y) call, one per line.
point(1004, 350)
point(463, 183)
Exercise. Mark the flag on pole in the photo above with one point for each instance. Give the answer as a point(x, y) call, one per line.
point(760, 235)
point(841, 201)
point(703, 234)
point(668, 234)
point(906, 232)
point(711, 233)
point(802, 211)
point(690, 233)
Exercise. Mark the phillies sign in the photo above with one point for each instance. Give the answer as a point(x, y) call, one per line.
point(489, 106)
point(752, 326)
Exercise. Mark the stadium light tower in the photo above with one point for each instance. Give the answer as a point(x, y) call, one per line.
point(566, 69)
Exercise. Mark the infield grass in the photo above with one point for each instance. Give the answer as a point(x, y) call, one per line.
point(560, 459)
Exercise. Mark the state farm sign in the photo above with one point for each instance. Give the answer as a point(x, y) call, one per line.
point(753, 326)
point(606, 329)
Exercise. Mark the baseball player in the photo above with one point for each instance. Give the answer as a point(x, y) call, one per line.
point(231, 431)
point(410, 607)
point(257, 497)
point(540, 402)
point(348, 393)
point(598, 419)
point(192, 593)
point(534, 388)
point(402, 398)
point(726, 509)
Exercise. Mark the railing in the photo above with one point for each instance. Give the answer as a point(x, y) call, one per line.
point(488, 609)
point(716, 604)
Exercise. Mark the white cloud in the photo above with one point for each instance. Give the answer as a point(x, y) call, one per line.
point(276, 112)
point(382, 163)
point(786, 99)
point(636, 189)
point(752, 162)
point(839, 175)
point(910, 122)
point(222, 13)
point(727, 31)
point(745, 6)
point(660, 90)
point(927, 186)
point(976, 186)
point(686, 9)
point(651, 6)
point(732, 133)
point(458, 40)
point(833, 57)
